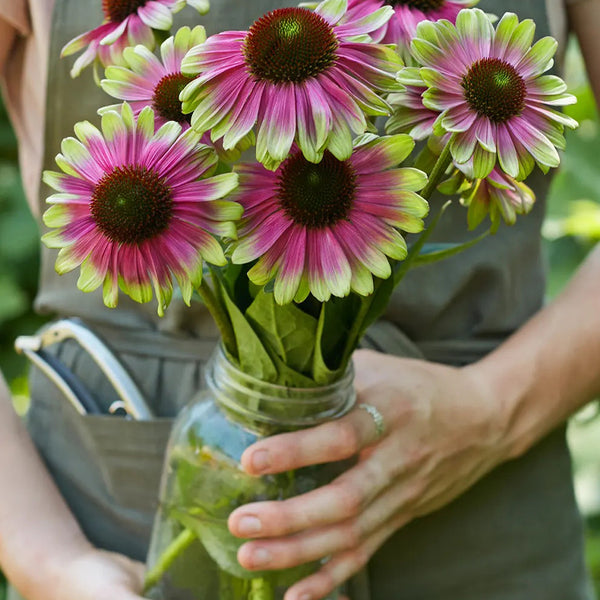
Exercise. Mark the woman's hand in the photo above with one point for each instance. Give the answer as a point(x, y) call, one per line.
point(98, 575)
point(444, 430)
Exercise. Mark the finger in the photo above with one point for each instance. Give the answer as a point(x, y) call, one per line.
point(306, 547)
point(342, 566)
point(329, 442)
point(344, 498)
point(316, 544)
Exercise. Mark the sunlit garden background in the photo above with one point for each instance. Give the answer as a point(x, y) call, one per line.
point(571, 230)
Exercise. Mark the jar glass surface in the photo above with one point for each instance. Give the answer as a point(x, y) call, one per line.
point(192, 555)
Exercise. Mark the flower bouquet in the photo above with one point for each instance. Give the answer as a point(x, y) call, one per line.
point(271, 172)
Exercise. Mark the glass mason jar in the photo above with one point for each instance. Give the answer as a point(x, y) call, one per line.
point(192, 554)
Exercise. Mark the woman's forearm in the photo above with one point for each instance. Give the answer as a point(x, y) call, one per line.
point(550, 367)
point(37, 531)
point(584, 17)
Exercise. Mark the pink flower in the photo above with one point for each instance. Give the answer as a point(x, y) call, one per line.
point(401, 28)
point(327, 228)
point(299, 76)
point(498, 195)
point(489, 88)
point(126, 23)
point(146, 80)
point(131, 210)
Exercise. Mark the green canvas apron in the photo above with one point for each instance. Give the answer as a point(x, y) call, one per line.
point(516, 535)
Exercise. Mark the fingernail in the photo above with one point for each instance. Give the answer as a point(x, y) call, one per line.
point(260, 460)
point(306, 597)
point(249, 525)
point(261, 557)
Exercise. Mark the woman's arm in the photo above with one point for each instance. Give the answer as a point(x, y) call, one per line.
point(584, 18)
point(446, 427)
point(42, 549)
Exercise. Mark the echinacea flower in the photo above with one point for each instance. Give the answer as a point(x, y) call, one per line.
point(150, 81)
point(146, 80)
point(489, 89)
point(401, 28)
point(298, 76)
point(498, 195)
point(131, 210)
point(126, 23)
point(326, 228)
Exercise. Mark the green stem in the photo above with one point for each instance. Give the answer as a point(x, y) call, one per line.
point(435, 177)
point(357, 330)
point(399, 269)
point(219, 315)
point(261, 589)
point(167, 558)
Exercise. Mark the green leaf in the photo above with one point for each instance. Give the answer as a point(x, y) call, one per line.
point(434, 252)
point(285, 329)
point(334, 327)
point(253, 358)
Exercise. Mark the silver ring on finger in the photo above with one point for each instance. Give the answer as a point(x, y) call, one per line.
point(377, 417)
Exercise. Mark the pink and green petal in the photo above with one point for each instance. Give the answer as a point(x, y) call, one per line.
point(292, 264)
point(382, 153)
point(156, 15)
point(332, 10)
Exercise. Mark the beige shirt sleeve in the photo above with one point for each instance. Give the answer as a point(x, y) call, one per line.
point(24, 38)
point(14, 21)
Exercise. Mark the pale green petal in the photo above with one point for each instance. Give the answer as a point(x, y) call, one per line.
point(522, 37)
point(483, 162)
point(396, 147)
point(396, 247)
point(145, 123)
point(127, 116)
point(549, 84)
point(225, 184)
point(120, 74)
point(113, 126)
point(259, 273)
point(413, 180)
point(478, 209)
point(332, 10)
point(376, 19)
point(340, 141)
point(362, 280)
point(64, 164)
point(410, 76)
point(54, 239)
point(66, 261)
point(63, 198)
point(212, 252)
point(540, 56)
point(109, 107)
point(474, 25)
point(90, 277)
point(55, 180)
point(163, 295)
point(86, 132)
point(202, 6)
point(504, 31)
point(139, 59)
point(58, 215)
point(110, 291)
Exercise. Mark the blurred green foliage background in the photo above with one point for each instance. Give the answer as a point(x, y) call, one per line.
point(571, 230)
point(19, 264)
